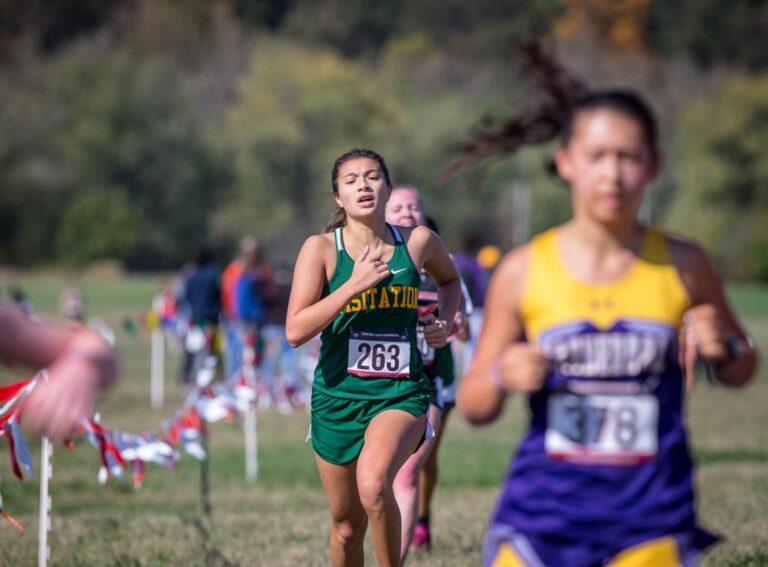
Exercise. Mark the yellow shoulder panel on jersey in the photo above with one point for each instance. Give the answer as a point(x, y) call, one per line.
point(651, 289)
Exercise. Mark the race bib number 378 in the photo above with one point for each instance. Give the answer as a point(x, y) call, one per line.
point(607, 429)
point(385, 355)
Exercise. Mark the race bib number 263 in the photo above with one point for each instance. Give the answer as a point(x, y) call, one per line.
point(385, 355)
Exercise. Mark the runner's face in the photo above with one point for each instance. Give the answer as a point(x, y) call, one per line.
point(404, 208)
point(362, 188)
point(608, 164)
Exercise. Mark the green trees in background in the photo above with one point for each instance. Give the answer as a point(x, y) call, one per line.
point(30, 190)
point(297, 109)
point(130, 132)
point(99, 224)
point(723, 176)
point(712, 32)
point(359, 27)
point(140, 129)
point(108, 144)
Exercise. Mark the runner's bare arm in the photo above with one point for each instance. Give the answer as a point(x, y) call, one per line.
point(711, 322)
point(479, 398)
point(428, 251)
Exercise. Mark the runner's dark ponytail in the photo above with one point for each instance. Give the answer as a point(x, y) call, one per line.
point(565, 97)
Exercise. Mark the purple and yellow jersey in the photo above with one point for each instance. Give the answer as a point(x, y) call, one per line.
point(605, 462)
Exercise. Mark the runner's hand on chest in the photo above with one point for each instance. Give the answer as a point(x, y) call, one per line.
point(369, 270)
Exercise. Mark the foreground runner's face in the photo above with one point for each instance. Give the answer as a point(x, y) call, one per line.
point(362, 188)
point(608, 164)
point(404, 208)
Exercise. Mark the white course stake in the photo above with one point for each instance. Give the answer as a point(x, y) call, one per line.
point(250, 423)
point(43, 551)
point(157, 387)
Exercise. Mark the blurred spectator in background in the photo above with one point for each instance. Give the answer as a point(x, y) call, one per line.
point(255, 290)
point(282, 277)
point(488, 256)
point(473, 274)
point(202, 304)
point(163, 316)
point(72, 304)
point(166, 305)
point(279, 365)
point(474, 264)
point(201, 290)
point(229, 279)
point(19, 298)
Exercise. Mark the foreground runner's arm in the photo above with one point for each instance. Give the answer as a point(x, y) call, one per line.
point(80, 363)
point(502, 362)
point(710, 323)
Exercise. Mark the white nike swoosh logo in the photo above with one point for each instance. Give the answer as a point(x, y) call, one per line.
point(393, 272)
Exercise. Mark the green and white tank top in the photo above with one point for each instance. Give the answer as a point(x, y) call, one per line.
point(369, 350)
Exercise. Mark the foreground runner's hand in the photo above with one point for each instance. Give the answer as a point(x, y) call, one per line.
point(703, 327)
point(56, 406)
point(687, 357)
point(522, 367)
point(460, 328)
point(368, 271)
point(436, 330)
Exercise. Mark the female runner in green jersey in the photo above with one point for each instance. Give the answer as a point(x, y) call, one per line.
point(357, 283)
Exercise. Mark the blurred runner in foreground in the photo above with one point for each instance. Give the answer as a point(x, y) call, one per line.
point(595, 321)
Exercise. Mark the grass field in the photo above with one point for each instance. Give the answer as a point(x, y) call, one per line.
point(281, 519)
